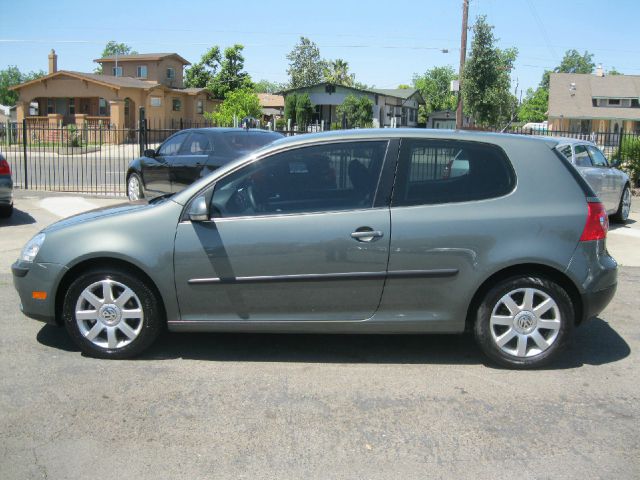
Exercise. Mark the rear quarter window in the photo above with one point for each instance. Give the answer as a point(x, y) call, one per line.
point(446, 171)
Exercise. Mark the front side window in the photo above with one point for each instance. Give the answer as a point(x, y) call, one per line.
point(446, 171)
point(597, 157)
point(321, 178)
point(172, 145)
point(117, 71)
point(141, 71)
point(582, 156)
point(198, 143)
point(177, 104)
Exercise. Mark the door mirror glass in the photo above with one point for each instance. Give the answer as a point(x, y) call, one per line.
point(198, 211)
point(151, 153)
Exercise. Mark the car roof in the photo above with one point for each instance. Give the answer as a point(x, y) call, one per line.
point(216, 130)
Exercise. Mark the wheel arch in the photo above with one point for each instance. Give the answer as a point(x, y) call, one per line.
point(525, 269)
point(106, 262)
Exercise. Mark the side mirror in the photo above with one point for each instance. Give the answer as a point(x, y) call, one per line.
point(198, 211)
point(151, 153)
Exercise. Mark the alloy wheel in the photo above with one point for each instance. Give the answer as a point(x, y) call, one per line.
point(133, 188)
point(109, 314)
point(525, 322)
point(626, 203)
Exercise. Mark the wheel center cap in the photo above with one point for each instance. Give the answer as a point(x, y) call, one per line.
point(525, 322)
point(109, 314)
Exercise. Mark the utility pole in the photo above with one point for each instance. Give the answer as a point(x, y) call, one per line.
point(463, 56)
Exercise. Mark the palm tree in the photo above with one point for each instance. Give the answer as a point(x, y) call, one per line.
point(337, 72)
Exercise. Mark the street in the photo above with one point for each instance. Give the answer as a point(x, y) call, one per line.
point(254, 406)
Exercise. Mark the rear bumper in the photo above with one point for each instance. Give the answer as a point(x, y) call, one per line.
point(594, 303)
point(6, 191)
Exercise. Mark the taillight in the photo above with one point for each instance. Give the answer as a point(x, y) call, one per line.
point(597, 223)
point(5, 169)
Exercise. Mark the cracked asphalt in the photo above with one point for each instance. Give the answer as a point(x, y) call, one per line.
point(207, 406)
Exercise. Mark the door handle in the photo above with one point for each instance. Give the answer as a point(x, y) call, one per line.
point(366, 234)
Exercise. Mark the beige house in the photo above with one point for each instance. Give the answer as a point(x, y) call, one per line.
point(272, 106)
point(594, 103)
point(113, 98)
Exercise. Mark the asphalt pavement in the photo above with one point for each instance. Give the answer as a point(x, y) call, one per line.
point(245, 406)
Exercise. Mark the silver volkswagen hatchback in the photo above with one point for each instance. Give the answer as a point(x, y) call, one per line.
point(367, 231)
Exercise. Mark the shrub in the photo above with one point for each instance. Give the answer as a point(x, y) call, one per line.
point(629, 155)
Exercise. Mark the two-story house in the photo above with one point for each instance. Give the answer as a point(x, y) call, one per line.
point(594, 103)
point(113, 98)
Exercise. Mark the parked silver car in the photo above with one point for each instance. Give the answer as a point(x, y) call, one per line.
point(363, 231)
point(610, 184)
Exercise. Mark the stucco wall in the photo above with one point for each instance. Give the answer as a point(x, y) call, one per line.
point(156, 70)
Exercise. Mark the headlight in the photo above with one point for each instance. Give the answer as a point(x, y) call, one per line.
point(32, 248)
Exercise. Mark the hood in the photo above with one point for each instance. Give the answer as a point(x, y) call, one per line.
point(98, 213)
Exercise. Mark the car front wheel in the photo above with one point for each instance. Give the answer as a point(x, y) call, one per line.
point(134, 187)
point(523, 322)
point(111, 314)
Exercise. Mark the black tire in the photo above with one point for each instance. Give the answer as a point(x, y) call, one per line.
point(150, 326)
point(138, 180)
point(619, 216)
point(6, 211)
point(483, 329)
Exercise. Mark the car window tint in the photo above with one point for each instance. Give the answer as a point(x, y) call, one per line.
point(582, 156)
point(320, 178)
point(248, 140)
point(171, 146)
point(566, 151)
point(197, 143)
point(598, 159)
point(433, 171)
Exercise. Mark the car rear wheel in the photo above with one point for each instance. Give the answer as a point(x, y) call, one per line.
point(111, 314)
point(523, 322)
point(624, 207)
point(6, 211)
point(134, 187)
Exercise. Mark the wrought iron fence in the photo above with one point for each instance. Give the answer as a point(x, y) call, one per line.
point(94, 158)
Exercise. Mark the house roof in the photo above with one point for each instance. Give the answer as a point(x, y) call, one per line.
point(571, 95)
point(106, 80)
point(141, 57)
point(403, 93)
point(269, 100)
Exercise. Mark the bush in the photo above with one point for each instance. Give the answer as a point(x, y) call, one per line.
point(629, 155)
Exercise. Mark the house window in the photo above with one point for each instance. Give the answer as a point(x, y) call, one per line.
point(634, 103)
point(594, 102)
point(156, 101)
point(72, 106)
point(141, 71)
point(102, 107)
point(171, 73)
point(614, 101)
point(199, 107)
point(50, 106)
point(177, 104)
point(117, 71)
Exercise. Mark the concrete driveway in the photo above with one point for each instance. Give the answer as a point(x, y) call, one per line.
point(300, 406)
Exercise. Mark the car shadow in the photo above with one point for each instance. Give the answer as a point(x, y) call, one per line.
point(18, 217)
point(595, 343)
point(627, 224)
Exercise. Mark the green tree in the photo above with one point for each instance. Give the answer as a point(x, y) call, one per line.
point(290, 102)
point(113, 48)
point(266, 86)
point(10, 77)
point(434, 87)
point(231, 76)
point(535, 105)
point(487, 78)
point(238, 103)
point(337, 72)
point(357, 111)
point(201, 74)
point(404, 86)
point(306, 67)
point(304, 110)
point(572, 62)
point(613, 71)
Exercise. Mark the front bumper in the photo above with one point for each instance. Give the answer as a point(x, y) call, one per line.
point(37, 277)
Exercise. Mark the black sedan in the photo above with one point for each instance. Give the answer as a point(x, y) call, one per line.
point(189, 155)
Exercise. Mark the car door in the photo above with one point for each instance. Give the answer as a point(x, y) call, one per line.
point(156, 174)
point(300, 235)
point(440, 236)
point(592, 174)
point(188, 165)
point(611, 190)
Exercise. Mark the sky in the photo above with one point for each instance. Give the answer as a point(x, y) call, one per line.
point(385, 43)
